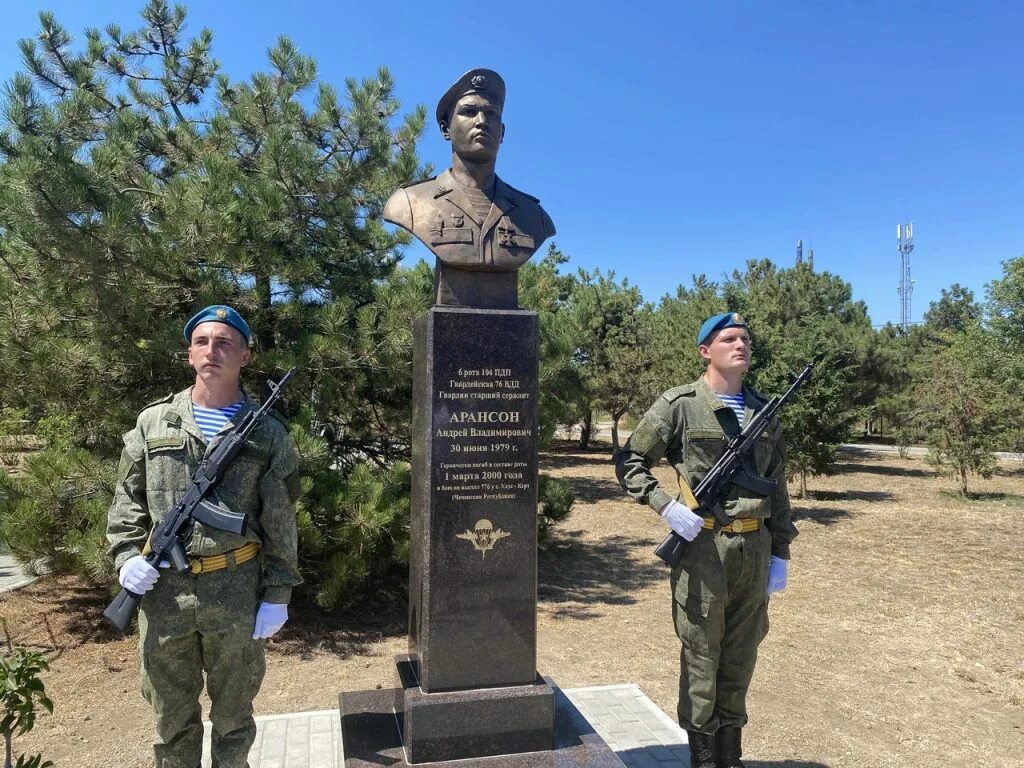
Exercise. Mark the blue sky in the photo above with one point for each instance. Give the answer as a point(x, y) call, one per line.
point(672, 139)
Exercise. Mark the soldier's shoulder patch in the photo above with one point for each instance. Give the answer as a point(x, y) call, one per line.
point(162, 401)
point(416, 182)
point(686, 390)
point(644, 437)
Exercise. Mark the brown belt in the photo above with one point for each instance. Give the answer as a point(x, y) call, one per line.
point(738, 525)
point(243, 554)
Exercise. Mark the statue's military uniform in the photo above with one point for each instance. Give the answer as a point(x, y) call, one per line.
point(441, 214)
point(719, 598)
point(203, 619)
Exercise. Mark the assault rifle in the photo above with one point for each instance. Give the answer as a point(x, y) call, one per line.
point(733, 467)
point(165, 541)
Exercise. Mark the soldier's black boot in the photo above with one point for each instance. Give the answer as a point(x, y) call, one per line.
point(702, 750)
point(730, 748)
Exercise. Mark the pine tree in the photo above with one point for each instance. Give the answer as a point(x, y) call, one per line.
point(138, 184)
point(613, 352)
point(797, 316)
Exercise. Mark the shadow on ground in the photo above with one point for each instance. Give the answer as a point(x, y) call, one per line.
point(60, 613)
point(1009, 499)
point(851, 496)
point(592, 490)
point(564, 455)
point(347, 633)
point(881, 469)
point(587, 489)
point(577, 576)
point(679, 754)
point(55, 614)
point(820, 515)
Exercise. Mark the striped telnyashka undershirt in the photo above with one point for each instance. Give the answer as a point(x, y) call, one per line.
point(212, 420)
point(736, 403)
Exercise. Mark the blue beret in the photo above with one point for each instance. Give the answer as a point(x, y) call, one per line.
point(218, 313)
point(719, 321)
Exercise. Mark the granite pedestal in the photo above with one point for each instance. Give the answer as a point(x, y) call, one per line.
point(371, 738)
point(469, 687)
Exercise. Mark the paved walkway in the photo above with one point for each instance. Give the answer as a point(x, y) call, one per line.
point(12, 575)
point(641, 734)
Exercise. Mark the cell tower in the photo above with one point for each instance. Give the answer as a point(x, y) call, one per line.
point(800, 255)
point(905, 238)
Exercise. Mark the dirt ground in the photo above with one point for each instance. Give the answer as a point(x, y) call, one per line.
point(897, 643)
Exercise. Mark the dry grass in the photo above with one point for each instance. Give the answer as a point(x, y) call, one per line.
point(897, 643)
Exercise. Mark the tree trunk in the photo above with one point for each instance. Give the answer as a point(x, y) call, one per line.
point(615, 432)
point(963, 482)
point(263, 328)
point(588, 421)
point(803, 483)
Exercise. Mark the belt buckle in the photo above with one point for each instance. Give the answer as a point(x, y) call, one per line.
point(737, 526)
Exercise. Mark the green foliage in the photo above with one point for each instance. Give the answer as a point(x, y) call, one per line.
point(1004, 313)
point(21, 693)
point(353, 528)
point(614, 347)
point(53, 512)
point(556, 498)
point(544, 290)
point(961, 410)
point(956, 310)
point(677, 321)
point(139, 183)
point(797, 316)
point(1005, 306)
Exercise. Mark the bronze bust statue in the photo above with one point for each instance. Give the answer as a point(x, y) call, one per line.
point(480, 229)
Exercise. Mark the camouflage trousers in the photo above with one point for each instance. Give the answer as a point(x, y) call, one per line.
point(190, 624)
point(720, 610)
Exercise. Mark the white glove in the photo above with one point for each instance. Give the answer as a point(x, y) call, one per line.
point(138, 576)
point(269, 618)
point(778, 571)
point(682, 520)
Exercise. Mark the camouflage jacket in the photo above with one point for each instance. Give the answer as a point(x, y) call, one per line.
point(159, 458)
point(689, 426)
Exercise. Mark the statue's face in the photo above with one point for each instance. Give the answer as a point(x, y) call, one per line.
point(475, 130)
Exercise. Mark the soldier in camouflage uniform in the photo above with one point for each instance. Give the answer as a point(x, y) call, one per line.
point(214, 618)
point(720, 588)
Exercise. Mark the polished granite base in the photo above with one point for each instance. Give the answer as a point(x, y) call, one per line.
point(480, 722)
point(371, 738)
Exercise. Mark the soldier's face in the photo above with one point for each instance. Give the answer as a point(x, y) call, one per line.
point(728, 350)
point(475, 130)
point(218, 352)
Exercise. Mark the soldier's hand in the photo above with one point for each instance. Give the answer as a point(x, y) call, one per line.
point(778, 571)
point(138, 576)
point(682, 520)
point(269, 619)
